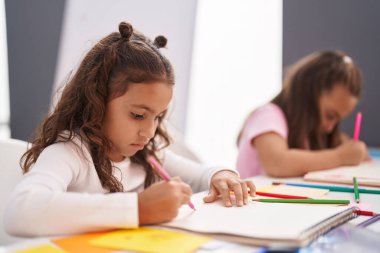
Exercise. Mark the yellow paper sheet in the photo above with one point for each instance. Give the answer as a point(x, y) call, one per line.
point(42, 249)
point(151, 240)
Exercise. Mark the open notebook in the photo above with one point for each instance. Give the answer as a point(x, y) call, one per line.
point(257, 223)
point(367, 174)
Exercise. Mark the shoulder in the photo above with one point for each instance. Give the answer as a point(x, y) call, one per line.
point(74, 147)
point(266, 114)
point(267, 118)
point(269, 109)
point(61, 164)
point(72, 154)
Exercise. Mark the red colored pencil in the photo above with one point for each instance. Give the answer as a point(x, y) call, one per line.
point(365, 213)
point(282, 196)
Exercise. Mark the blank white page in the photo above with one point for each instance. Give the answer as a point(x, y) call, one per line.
point(256, 219)
point(367, 173)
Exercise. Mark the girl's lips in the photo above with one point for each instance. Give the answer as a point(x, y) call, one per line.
point(138, 146)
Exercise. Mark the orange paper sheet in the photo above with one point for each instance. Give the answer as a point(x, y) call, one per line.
point(80, 243)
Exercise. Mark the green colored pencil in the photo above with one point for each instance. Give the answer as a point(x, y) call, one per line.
point(306, 201)
point(356, 190)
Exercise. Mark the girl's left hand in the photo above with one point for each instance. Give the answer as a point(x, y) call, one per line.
point(226, 184)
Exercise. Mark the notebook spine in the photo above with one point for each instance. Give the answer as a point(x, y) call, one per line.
point(328, 224)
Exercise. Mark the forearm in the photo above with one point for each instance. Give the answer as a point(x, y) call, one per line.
point(45, 213)
point(297, 162)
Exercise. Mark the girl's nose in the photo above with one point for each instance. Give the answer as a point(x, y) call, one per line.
point(148, 131)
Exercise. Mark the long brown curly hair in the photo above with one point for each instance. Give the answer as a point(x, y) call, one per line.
point(128, 56)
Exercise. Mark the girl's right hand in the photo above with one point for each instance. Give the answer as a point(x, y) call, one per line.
point(160, 201)
point(352, 152)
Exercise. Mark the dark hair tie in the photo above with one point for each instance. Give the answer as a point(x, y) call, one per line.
point(125, 30)
point(160, 41)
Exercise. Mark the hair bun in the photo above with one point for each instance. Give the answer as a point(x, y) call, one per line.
point(160, 41)
point(125, 30)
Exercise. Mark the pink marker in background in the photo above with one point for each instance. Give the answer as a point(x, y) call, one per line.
point(358, 123)
point(163, 173)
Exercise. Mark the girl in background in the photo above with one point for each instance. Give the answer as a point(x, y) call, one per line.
point(298, 131)
point(87, 168)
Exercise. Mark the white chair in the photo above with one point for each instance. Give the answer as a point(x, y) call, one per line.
point(11, 151)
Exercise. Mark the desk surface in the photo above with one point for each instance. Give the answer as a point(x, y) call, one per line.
point(369, 201)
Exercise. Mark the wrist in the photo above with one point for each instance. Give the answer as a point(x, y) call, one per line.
point(226, 172)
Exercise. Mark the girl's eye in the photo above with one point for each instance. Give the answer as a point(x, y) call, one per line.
point(137, 116)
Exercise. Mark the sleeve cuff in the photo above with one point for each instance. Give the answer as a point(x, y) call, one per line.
point(132, 216)
point(123, 212)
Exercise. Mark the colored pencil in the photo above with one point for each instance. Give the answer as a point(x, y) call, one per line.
point(282, 196)
point(305, 201)
point(157, 167)
point(365, 213)
point(331, 188)
point(356, 190)
point(358, 123)
point(369, 221)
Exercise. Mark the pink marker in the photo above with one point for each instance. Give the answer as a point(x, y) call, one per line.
point(358, 123)
point(163, 173)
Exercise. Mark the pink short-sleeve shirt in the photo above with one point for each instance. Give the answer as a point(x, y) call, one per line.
point(268, 118)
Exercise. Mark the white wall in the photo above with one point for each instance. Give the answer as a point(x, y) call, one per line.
point(87, 21)
point(236, 67)
point(4, 81)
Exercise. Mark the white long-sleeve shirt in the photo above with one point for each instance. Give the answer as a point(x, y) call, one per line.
point(62, 193)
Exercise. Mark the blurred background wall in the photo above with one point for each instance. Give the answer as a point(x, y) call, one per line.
point(33, 30)
point(228, 56)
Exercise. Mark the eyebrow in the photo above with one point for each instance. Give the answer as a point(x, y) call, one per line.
point(147, 108)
